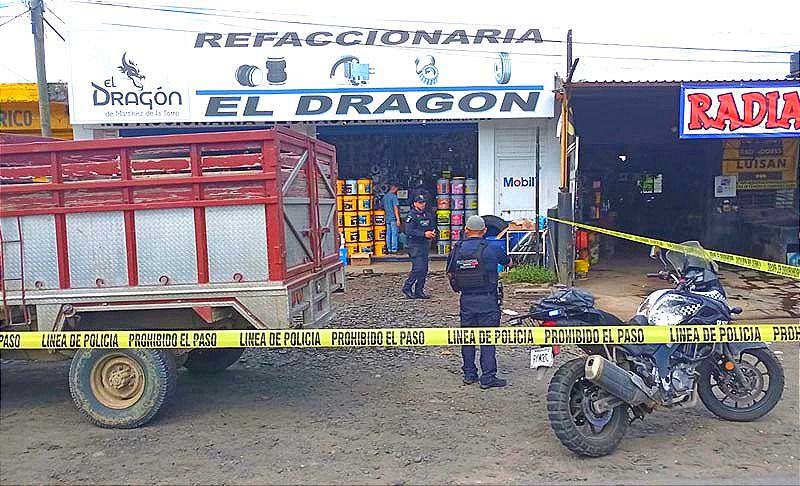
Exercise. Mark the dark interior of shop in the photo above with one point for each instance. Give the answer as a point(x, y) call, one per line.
point(409, 154)
point(650, 182)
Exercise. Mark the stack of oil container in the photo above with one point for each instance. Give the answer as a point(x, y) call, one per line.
point(363, 227)
point(456, 200)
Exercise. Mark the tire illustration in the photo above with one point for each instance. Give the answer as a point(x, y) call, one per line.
point(569, 414)
point(724, 398)
point(502, 68)
point(121, 388)
point(212, 360)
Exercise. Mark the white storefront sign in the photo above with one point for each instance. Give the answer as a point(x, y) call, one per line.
point(283, 74)
point(740, 110)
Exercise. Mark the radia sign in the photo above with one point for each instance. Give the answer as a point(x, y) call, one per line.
point(740, 110)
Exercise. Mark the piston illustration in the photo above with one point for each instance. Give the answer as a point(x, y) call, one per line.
point(426, 69)
point(355, 72)
point(251, 76)
point(502, 68)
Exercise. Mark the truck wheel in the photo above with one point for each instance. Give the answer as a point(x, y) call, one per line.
point(212, 360)
point(121, 388)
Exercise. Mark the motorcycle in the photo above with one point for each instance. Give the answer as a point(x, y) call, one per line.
point(592, 400)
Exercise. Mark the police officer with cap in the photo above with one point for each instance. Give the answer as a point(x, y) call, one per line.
point(472, 270)
point(420, 229)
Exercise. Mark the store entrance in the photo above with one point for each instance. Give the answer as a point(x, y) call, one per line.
point(417, 157)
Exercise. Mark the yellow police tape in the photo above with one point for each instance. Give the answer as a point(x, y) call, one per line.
point(782, 269)
point(336, 338)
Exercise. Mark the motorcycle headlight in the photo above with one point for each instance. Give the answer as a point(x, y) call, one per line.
point(672, 309)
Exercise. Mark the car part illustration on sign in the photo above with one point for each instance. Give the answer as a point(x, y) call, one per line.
point(502, 68)
point(354, 71)
point(131, 70)
point(276, 70)
point(426, 70)
point(249, 75)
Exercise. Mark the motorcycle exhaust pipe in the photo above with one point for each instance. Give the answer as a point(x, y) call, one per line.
point(616, 381)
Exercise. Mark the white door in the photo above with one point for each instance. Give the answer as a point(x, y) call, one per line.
point(515, 187)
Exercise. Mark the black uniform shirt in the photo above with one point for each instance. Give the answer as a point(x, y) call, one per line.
point(417, 223)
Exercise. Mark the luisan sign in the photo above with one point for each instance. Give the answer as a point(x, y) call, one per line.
point(740, 110)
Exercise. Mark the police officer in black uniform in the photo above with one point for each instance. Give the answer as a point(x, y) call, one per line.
point(420, 229)
point(472, 270)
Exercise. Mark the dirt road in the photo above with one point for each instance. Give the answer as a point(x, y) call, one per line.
point(373, 416)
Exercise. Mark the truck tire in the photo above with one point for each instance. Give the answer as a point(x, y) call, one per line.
point(204, 361)
point(121, 388)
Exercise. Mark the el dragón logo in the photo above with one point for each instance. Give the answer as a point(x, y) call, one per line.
point(109, 95)
point(131, 70)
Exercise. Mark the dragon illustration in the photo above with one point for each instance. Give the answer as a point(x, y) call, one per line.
point(131, 70)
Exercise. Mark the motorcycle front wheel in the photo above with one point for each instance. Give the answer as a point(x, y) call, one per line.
point(579, 429)
point(728, 399)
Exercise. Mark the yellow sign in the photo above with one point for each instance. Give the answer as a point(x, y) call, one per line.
point(761, 163)
point(408, 337)
point(19, 112)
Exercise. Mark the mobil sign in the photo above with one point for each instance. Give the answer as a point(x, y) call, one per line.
point(740, 110)
point(518, 181)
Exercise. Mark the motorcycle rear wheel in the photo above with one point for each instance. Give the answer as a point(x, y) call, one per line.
point(566, 412)
point(764, 373)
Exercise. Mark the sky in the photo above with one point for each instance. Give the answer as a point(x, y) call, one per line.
point(733, 24)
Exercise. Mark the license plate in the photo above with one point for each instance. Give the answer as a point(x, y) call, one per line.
point(541, 357)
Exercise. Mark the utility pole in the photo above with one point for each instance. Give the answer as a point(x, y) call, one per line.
point(37, 12)
point(565, 240)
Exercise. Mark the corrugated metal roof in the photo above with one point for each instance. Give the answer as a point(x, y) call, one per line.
point(671, 83)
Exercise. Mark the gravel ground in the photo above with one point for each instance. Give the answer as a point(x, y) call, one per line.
point(374, 416)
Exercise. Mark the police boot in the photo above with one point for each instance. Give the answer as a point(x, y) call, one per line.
point(422, 295)
point(494, 383)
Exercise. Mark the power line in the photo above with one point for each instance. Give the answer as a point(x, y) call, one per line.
point(50, 9)
point(205, 11)
point(54, 29)
point(15, 18)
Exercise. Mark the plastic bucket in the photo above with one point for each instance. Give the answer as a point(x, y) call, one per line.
point(471, 201)
point(457, 218)
point(365, 247)
point(349, 203)
point(468, 213)
point(339, 203)
point(350, 218)
point(379, 216)
point(457, 202)
point(365, 218)
point(379, 248)
point(364, 203)
point(351, 235)
point(443, 186)
point(444, 232)
point(470, 186)
point(365, 234)
point(379, 230)
point(340, 217)
point(364, 186)
point(443, 201)
point(350, 187)
point(340, 187)
point(443, 216)
point(456, 232)
point(351, 248)
point(443, 247)
point(457, 185)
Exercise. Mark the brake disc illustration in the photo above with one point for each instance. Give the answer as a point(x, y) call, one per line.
point(502, 68)
point(426, 70)
point(249, 75)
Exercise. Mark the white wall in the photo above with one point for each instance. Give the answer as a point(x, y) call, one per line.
point(506, 148)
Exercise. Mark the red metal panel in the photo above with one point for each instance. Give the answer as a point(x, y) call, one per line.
point(130, 222)
point(174, 171)
point(274, 213)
